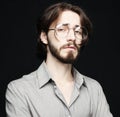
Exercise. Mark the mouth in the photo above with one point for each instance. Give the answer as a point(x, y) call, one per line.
point(70, 47)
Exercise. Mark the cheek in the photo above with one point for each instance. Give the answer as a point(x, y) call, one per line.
point(78, 42)
point(54, 40)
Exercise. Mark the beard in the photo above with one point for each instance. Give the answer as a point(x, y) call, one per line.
point(69, 58)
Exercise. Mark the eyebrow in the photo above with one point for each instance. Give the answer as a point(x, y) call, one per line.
point(67, 24)
point(77, 25)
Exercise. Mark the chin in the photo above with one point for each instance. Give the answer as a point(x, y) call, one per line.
point(68, 59)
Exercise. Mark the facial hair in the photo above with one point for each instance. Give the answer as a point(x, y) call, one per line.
point(69, 59)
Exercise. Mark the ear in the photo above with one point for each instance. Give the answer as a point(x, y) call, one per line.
point(43, 38)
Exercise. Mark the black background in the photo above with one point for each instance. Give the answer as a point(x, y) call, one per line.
point(18, 40)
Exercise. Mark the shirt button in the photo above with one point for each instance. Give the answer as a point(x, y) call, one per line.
point(55, 87)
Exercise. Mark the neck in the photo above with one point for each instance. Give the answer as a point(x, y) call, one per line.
point(61, 72)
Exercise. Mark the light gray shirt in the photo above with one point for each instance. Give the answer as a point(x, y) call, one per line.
point(36, 95)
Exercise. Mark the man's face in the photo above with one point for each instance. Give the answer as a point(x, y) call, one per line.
point(65, 49)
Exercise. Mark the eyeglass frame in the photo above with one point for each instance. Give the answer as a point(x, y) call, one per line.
point(76, 26)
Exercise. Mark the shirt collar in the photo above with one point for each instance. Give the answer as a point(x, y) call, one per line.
point(44, 76)
point(79, 78)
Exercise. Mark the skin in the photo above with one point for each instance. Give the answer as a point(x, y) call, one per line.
point(65, 48)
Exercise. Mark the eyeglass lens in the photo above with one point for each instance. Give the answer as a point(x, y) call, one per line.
point(62, 31)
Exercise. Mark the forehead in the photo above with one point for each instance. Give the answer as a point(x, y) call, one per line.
point(68, 17)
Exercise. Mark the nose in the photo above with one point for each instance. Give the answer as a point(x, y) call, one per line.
point(71, 35)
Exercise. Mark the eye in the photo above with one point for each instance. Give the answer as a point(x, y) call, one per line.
point(60, 29)
point(79, 32)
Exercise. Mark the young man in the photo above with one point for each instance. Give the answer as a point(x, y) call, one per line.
point(57, 89)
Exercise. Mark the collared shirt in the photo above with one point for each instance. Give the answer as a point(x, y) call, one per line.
point(36, 95)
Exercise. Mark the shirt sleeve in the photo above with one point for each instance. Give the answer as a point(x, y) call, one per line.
point(100, 105)
point(16, 105)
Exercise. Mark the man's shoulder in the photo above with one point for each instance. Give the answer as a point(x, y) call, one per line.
point(90, 81)
point(31, 80)
point(92, 84)
point(24, 82)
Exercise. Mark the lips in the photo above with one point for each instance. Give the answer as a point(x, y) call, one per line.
point(70, 47)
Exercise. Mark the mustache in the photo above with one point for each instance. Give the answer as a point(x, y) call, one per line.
point(71, 44)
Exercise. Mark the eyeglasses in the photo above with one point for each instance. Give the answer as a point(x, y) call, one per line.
point(62, 31)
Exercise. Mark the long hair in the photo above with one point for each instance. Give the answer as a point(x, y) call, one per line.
point(50, 15)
